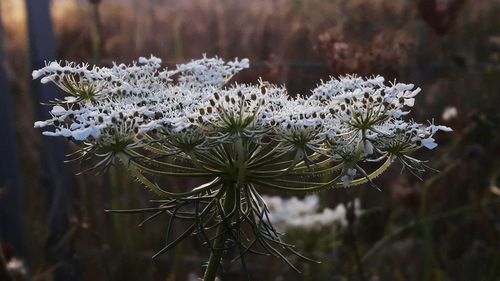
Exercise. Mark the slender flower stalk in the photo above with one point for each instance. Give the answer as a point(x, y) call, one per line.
point(240, 139)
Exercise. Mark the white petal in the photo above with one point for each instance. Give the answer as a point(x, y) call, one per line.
point(74, 126)
point(50, 134)
point(429, 143)
point(409, 102)
point(36, 74)
point(445, 128)
point(414, 93)
point(404, 87)
point(65, 133)
point(54, 64)
point(58, 110)
point(81, 134)
point(40, 124)
point(244, 63)
point(399, 113)
point(377, 80)
point(95, 133)
point(441, 128)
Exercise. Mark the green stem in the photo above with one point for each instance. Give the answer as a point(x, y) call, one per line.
point(219, 244)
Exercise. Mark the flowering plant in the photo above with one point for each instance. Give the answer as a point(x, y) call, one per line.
point(238, 138)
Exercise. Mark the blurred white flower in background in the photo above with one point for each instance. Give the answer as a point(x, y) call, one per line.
point(449, 113)
point(295, 213)
point(16, 267)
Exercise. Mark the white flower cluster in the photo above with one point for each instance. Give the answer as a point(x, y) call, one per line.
point(118, 103)
point(190, 122)
point(349, 119)
point(294, 213)
point(16, 268)
point(367, 116)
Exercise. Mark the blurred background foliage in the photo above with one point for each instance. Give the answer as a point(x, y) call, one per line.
point(446, 227)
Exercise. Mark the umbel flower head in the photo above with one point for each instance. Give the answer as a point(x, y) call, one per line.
point(240, 139)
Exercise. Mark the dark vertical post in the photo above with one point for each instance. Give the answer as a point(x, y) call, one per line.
point(10, 188)
point(55, 174)
point(96, 31)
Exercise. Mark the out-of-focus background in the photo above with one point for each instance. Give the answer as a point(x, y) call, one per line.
point(444, 227)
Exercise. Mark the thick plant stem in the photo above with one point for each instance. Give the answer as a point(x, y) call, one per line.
point(219, 244)
point(215, 257)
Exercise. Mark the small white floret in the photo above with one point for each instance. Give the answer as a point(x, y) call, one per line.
point(429, 143)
